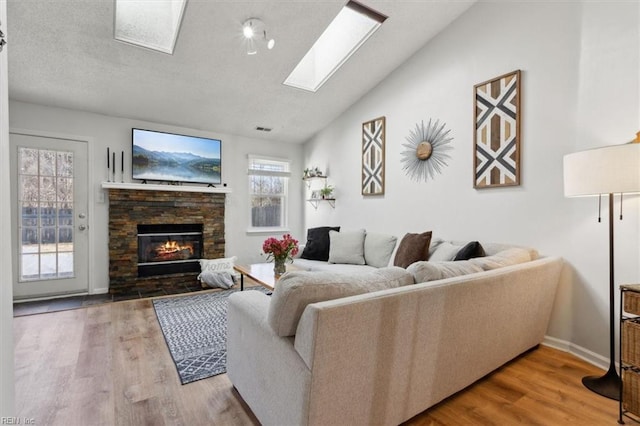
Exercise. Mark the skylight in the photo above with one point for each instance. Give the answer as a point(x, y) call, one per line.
point(150, 24)
point(345, 34)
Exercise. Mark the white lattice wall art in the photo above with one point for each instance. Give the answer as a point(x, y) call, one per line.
point(497, 132)
point(373, 141)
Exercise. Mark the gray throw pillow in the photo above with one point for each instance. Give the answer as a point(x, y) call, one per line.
point(347, 247)
point(378, 249)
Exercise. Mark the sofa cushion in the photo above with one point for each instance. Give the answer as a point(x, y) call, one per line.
point(412, 248)
point(317, 245)
point(469, 251)
point(431, 271)
point(347, 247)
point(296, 289)
point(378, 249)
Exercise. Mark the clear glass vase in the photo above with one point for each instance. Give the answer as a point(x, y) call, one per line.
point(279, 267)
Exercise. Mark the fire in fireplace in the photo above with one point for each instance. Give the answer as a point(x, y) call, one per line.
point(169, 248)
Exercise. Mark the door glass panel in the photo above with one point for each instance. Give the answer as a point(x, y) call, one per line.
point(46, 214)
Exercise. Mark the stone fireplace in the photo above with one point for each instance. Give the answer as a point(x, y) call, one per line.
point(157, 237)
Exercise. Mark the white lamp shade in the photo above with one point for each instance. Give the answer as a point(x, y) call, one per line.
point(612, 169)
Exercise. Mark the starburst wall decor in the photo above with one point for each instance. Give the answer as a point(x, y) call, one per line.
point(426, 151)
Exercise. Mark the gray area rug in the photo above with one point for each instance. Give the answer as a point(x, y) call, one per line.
point(195, 329)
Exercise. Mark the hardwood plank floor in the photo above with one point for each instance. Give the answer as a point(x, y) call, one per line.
point(109, 365)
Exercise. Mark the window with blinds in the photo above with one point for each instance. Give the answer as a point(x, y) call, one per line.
point(268, 189)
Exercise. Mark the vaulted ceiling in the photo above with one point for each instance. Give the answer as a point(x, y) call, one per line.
point(62, 53)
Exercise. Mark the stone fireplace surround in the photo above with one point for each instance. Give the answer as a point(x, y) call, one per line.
point(130, 207)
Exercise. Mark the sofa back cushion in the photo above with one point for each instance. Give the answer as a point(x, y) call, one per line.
point(508, 257)
point(431, 271)
point(296, 289)
point(378, 249)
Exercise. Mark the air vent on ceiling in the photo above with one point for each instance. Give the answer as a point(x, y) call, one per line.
point(263, 129)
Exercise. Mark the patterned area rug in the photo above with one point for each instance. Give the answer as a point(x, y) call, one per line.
point(195, 329)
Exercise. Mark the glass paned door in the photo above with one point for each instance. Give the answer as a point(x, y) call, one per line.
point(51, 203)
point(45, 219)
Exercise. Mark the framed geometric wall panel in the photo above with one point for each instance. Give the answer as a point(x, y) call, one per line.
point(496, 147)
point(373, 141)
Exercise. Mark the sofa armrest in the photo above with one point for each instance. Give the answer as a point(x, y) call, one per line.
point(265, 368)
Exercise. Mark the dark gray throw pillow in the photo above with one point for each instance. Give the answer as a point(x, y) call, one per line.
point(317, 245)
point(471, 250)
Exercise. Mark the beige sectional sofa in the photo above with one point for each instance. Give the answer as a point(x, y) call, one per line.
point(375, 348)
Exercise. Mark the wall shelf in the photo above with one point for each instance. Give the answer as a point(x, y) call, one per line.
point(309, 179)
point(157, 187)
point(315, 202)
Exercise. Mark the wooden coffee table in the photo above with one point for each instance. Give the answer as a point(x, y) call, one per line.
point(262, 273)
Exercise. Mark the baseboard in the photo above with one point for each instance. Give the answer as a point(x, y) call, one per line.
point(61, 296)
point(582, 353)
point(49, 297)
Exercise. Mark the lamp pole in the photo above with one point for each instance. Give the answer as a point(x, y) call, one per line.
point(609, 384)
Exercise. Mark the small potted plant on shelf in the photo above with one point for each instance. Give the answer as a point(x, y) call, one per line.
point(306, 173)
point(326, 192)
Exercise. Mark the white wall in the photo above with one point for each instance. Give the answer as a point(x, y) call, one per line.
point(579, 65)
point(104, 131)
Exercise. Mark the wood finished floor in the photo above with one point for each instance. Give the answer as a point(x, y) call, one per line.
point(109, 365)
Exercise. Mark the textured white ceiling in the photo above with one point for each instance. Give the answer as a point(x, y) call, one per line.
point(62, 53)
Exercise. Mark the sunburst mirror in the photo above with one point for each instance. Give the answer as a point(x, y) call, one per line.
point(425, 153)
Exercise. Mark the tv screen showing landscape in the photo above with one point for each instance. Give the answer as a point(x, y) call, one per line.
point(159, 156)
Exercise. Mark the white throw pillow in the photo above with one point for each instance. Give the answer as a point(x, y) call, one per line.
point(347, 247)
point(224, 264)
point(378, 249)
point(445, 251)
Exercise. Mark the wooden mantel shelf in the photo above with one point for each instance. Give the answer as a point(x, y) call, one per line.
point(156, 187)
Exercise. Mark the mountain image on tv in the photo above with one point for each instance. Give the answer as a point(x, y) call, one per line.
point(194, 165)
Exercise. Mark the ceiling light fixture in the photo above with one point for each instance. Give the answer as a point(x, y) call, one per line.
point(353, 25)
point(254, 31)
point(151, 24)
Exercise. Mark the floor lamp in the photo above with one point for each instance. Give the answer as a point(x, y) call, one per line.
point(605, 171)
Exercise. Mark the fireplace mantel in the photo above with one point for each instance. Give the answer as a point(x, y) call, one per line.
point(156, 187)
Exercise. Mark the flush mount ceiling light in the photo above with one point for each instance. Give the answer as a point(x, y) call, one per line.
point(353, 25)
point(151, 24)
point(254, 32)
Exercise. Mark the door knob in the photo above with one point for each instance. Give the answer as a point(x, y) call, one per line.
point(82, 227)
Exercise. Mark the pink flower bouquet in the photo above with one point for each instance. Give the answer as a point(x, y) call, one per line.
point(280, 250)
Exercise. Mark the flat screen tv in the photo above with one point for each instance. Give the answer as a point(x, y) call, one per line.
point(169, 157)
